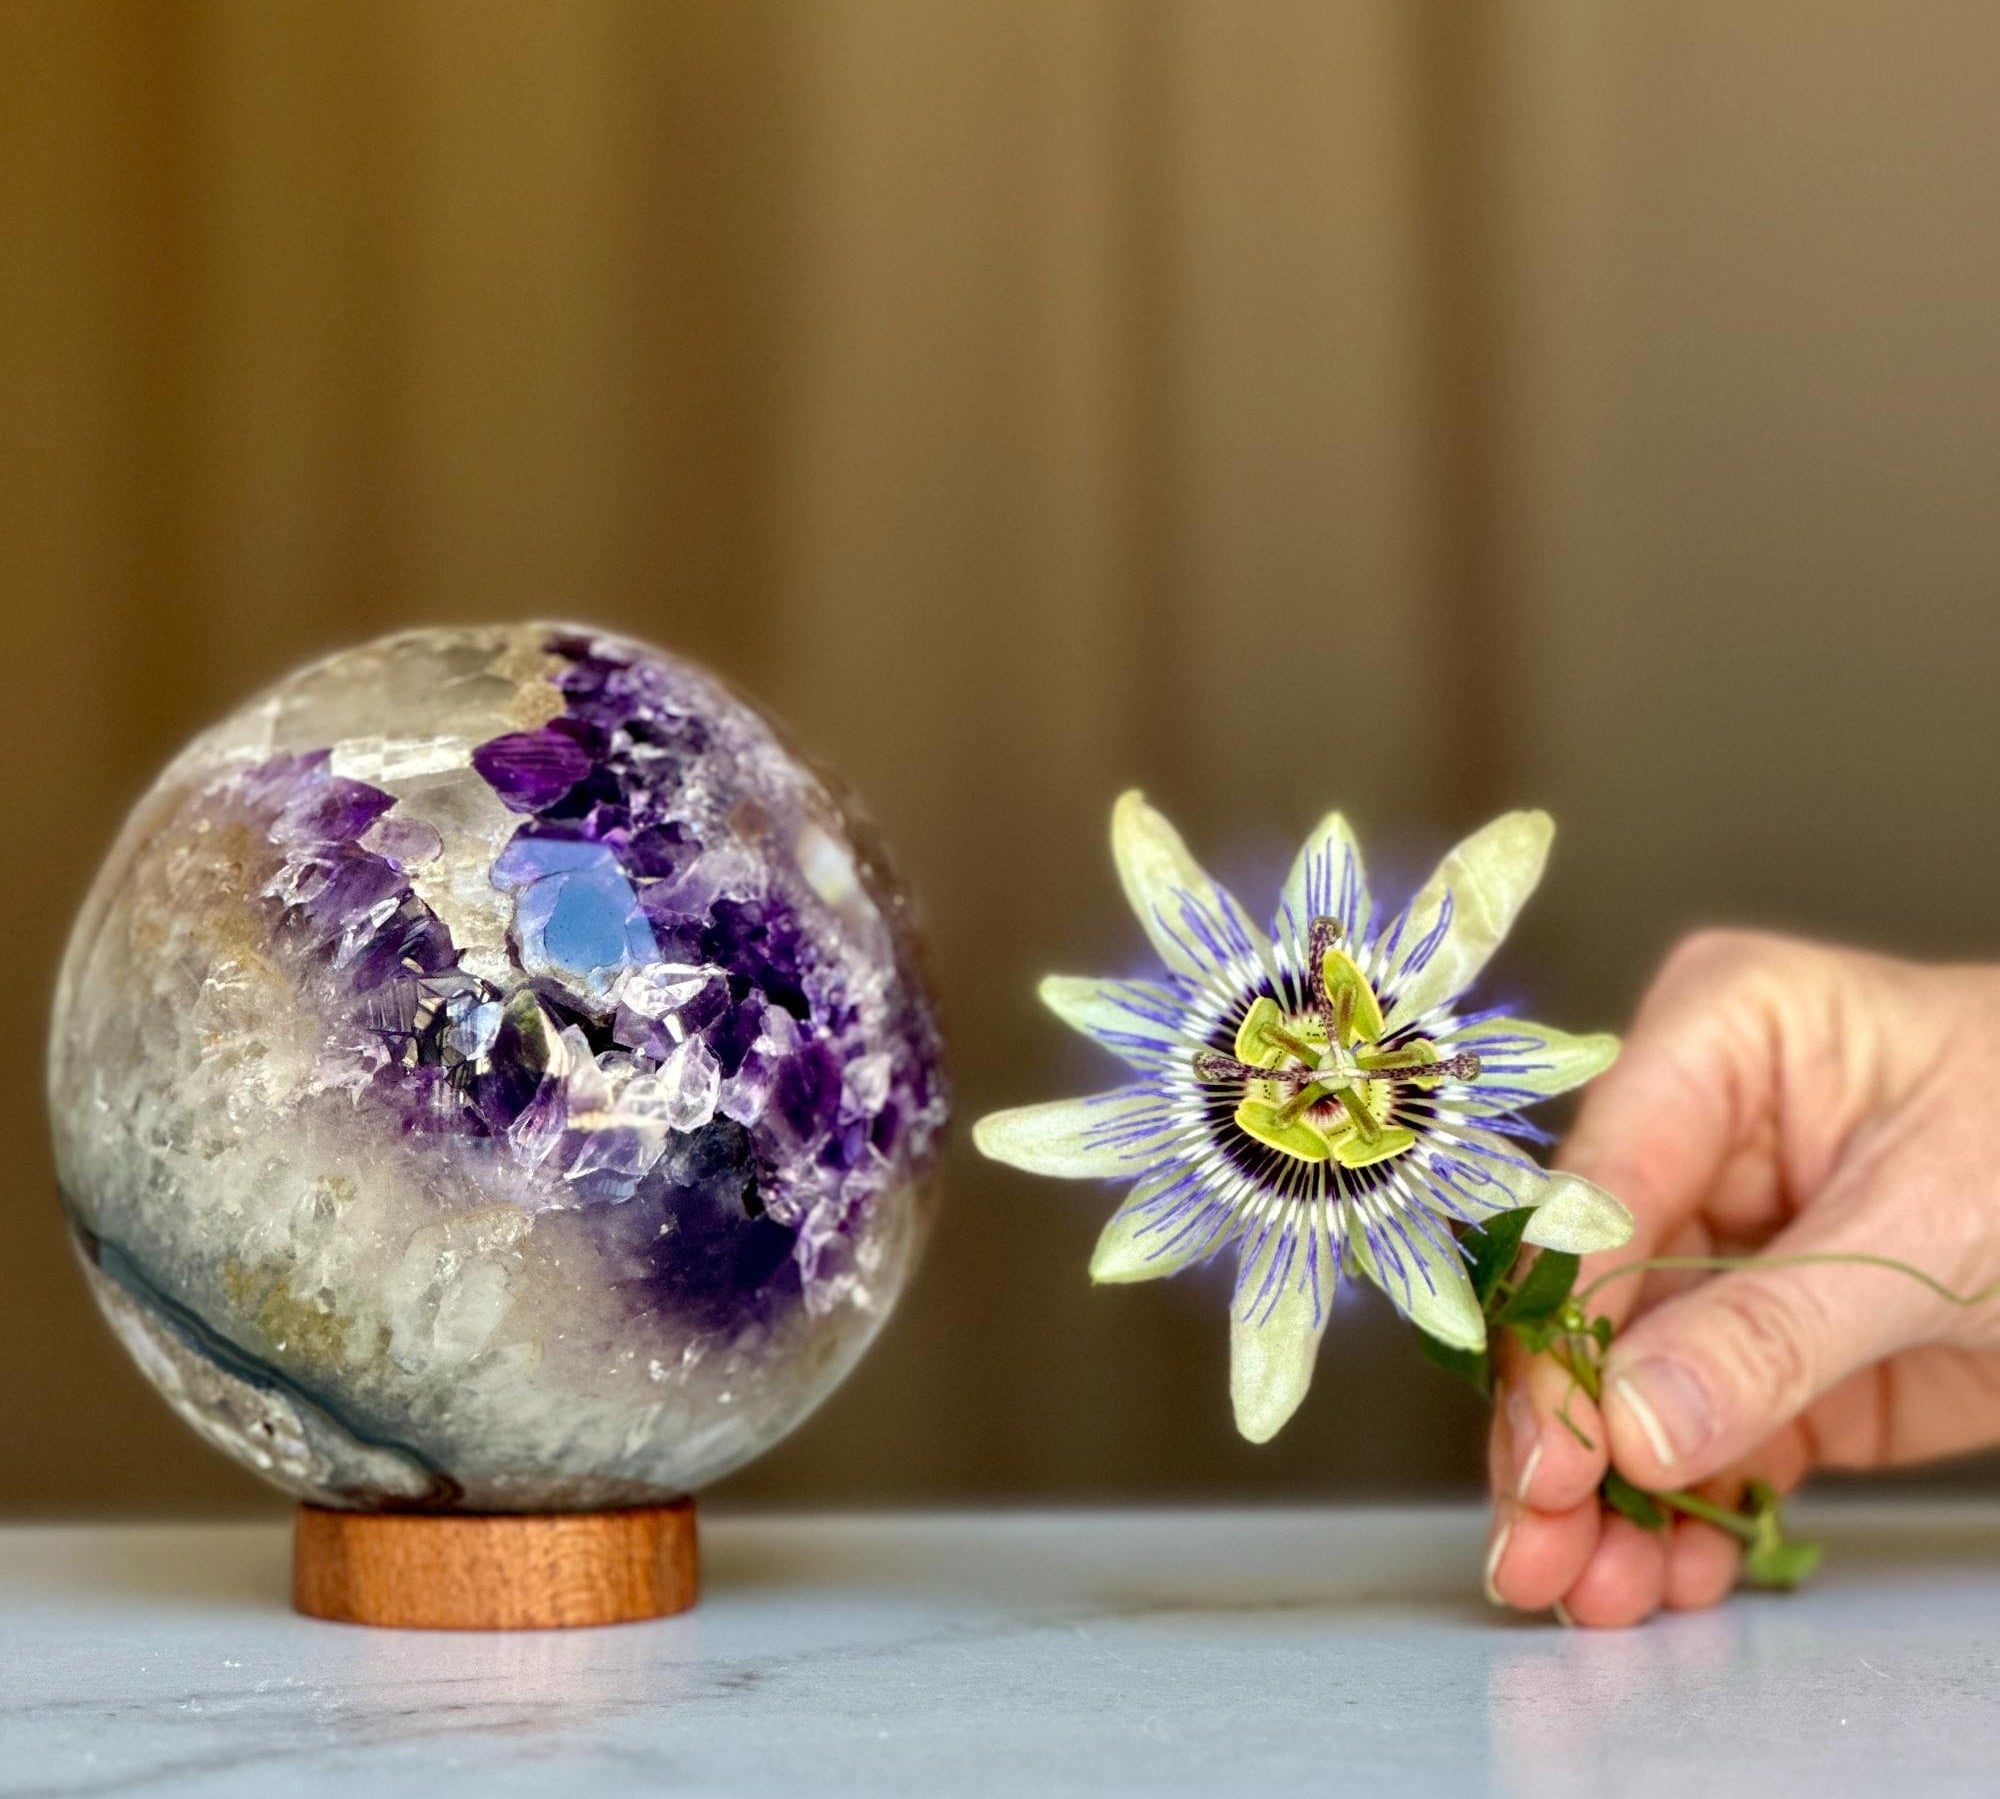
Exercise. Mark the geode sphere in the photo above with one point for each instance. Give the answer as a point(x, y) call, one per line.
point(492, 1072)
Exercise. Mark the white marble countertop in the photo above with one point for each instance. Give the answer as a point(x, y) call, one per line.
point(1208, 1652)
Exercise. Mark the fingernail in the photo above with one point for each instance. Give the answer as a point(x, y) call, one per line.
point(1525, 1430)
point(1562, 1615)
point(1493, 1556)
point(1670, 1406)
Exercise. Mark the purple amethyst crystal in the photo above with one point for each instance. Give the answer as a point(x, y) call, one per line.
point(532, 770)
point(495, 1071)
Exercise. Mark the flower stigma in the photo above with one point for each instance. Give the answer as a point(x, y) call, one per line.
point(1320, 1083)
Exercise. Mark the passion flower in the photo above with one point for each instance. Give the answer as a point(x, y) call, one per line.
point(1315, 1096)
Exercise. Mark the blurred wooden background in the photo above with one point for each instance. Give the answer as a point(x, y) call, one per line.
point(1408, 404)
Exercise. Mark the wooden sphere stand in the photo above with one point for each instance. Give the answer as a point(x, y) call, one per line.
point(493, 1570)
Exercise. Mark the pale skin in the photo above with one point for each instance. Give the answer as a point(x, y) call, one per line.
point(1783, 1098)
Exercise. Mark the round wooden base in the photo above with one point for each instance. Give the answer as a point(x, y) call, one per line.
point(494, 1571)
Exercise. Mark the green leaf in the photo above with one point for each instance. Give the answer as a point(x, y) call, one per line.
point(1470, 1365)
point(1494, 1246)
point(1780, 1563)
point(1542, 1291)
point(1772, 1560)
point(1633, 1502)
point(1539, 1337)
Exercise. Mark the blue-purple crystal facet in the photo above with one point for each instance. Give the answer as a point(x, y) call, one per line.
point(492, 1071)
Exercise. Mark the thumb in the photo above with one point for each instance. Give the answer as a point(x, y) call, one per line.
point(1699, 1381)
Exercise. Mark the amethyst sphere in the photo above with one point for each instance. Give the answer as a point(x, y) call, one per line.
point(492, 1072)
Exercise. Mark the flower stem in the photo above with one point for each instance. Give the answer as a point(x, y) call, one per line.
point(1738, 1524)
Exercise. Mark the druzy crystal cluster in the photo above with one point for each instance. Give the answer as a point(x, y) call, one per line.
point(492, 1071)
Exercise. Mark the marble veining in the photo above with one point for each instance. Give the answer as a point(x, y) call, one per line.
point(1177, 1652)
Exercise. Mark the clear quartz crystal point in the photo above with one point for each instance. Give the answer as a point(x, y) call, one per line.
point(689, 1082)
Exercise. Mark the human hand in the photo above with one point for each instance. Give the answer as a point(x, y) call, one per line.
point(1785, 1098)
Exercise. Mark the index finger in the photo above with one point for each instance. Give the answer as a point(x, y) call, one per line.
point(1674, 1129)
point(1680, 1127)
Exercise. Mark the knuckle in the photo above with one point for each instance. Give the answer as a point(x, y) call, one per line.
point(1726, 960)
point(1776, 1340)
point(1719, 953)
point(1725, 981)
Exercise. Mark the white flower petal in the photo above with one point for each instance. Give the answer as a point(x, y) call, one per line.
point(1121, 1015)
point(1579, 1216)
point(1570, 1213)
point(1107, 1135)
point(1328, 880)
point(1157, 1231)
point(1175, 900)
point(1531, 1058)
point(1284, 1296)
point(1428, 1284)
point(1487, 880)
point(1492, 1168)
